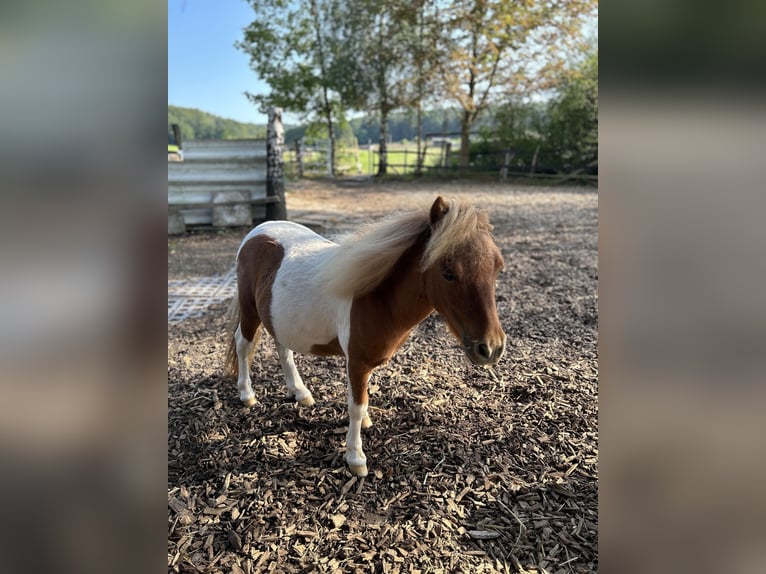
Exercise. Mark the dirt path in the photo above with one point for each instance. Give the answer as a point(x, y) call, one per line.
point(470, 470)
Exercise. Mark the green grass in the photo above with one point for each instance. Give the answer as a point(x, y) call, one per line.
point(402, 160)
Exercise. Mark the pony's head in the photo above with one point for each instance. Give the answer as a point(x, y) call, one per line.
point(460, 266)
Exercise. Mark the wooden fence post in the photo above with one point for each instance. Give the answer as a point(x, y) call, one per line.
point(422, 158)
point(275, 167)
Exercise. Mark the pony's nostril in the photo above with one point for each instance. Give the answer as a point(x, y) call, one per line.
point(483, 350)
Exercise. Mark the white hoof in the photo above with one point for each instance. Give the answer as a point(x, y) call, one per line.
point(307, 401)
point(366, 422)
point(357, 462)
point(248, 402)
point(358, 469)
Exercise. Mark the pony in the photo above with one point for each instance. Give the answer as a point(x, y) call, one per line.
point(362, 297)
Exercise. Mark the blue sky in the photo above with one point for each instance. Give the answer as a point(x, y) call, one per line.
point(205, 70)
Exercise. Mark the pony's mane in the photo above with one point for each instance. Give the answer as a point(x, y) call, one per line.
point(456, 227)
point(364, 259)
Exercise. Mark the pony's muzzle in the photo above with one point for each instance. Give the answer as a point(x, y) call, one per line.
point(487, 352)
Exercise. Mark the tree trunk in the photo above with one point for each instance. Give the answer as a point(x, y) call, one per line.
point(383, 146)
point(419, 165)
point(325, 99)
point(465, 139)
point(331, 136)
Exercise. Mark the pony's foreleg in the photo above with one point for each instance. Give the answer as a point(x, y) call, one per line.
point(295, 386)
point(244, 384)
point(358, 375)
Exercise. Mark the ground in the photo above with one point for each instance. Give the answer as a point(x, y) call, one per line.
point(471, 470)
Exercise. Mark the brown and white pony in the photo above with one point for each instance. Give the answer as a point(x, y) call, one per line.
point(362, 298)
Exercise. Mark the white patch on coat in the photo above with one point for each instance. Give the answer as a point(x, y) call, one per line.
point(302, 313)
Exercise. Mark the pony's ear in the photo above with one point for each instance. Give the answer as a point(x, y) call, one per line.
point(438, 210)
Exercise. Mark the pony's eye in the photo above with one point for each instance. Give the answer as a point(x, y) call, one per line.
point(448, 275)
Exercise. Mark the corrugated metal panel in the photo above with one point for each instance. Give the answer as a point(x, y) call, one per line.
point(217, 150)
point(211, 168)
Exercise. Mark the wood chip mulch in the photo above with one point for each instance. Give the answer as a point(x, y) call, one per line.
point(471, 470)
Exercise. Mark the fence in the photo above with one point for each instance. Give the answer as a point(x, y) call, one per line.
point(440, 156)
point(226, 183)
point(403, 159)
point(313, 159)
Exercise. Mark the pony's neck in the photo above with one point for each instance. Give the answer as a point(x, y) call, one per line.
point(402, 294)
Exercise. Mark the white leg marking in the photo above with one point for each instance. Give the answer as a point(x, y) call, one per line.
point(295, 386)
point(244, 384)
point(357, 461)
point(367, 421)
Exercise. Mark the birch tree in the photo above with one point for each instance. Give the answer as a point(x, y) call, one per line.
point(375, 60)
point(290, 48)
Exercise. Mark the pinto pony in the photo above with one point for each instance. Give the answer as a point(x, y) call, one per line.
point(362, 298)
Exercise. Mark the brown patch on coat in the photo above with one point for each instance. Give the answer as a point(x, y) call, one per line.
point(382, 319)
point(257, 266)
point(331, 348)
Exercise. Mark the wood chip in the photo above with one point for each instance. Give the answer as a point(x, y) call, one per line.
point(338, 520)
point(348, 485)
point(472, 470)
point(235, 540)
point(483, 534)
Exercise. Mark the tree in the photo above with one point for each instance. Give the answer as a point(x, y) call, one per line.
point(573, 129)
point(425, 51)
point(199, 125)
point(563, 129)
point(493, 48)
point(374, 66)
point(289, 44)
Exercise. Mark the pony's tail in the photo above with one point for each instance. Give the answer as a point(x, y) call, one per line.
point(231, 362)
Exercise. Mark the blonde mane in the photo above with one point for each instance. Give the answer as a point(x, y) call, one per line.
point(364, 259)
point(457, 227)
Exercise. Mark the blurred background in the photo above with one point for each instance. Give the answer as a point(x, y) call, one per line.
point(82, 227)
point(683, 318)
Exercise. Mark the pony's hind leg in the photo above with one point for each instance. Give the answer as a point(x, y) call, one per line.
point(295, 386)
point(244, 351)
point(358, 375)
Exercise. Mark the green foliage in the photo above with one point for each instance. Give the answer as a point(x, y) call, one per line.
point(198, 125)
point(495, 49)
point(370, 69)
point(474, 62)
point(560, 135)
point(573, 129)
point(291, 45)
point(401, 125)
point(316, 131)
